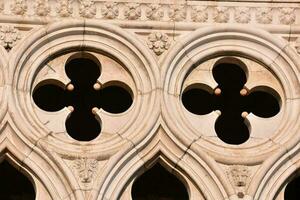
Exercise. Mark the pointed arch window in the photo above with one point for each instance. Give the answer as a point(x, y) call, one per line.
point(14, 185)
point(292, 191)
point(158, 183)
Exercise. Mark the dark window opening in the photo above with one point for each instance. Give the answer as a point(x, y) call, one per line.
point(292, 191)
point(159, 184)
point(14, 185)
point(83, 97)
point(114, 99)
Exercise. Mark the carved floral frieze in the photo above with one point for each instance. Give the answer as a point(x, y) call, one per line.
point(177, 13)
point(264, 15)
point(242, 15)
point(42, 7)
point(19, 7)
point(287, 15)
point(87, 8)
point(199, 14)
point(155, 11)
point(221, 14)
point(132, 11)
point(64, 8)
point(110, 10)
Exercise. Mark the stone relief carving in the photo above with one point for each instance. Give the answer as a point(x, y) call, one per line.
point(132, 11)
point(87, 8)
point(110, 10)
point(85, 169)
point(239, 176)
point(19, 7)
point(177, 13)
point(1, 6)
point(154, 12)
point(242, 15)
point(64, 8)
point(158, 42)
point(199, 14)
point(221, 14)
point(42, 7)
point(264, 15)
point(287, 15)
point(9, 36)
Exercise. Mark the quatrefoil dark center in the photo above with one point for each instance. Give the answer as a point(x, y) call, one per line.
point(83, 97)
point(228, 98)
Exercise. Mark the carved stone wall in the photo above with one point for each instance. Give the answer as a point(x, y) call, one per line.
point(159, 50)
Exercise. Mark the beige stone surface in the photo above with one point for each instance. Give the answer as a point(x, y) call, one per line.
point(156, 50)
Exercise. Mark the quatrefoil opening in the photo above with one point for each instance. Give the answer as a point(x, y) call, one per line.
point(233, 101)
point(81, 96)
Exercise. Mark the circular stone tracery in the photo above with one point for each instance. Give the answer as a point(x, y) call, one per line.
point(83, 95)
point(232, 100)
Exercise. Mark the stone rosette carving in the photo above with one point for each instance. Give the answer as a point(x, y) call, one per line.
point(64, 8)
point(85, 169)
point(9, 36)
point(239, 176)
point(264, 15)
point(158, 42)
point(87, 8)
point(199, 13)
point(221, 14)
point(110, 10)
point(287, 15)
point(42, 7)
point(19, 7)
point(132, 11)
point(242, 15)
point(177, 13)
point(154, 12)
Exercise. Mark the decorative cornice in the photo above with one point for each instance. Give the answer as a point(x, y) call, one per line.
point(191, 11)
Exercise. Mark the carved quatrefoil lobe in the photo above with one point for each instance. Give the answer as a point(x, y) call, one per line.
point(83, 95)
point(231, 99)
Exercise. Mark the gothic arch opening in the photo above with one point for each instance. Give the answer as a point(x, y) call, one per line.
point(14, 185)
point(292, 191)
point(158, 183)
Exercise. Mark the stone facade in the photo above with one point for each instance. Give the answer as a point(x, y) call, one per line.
point(156, 50)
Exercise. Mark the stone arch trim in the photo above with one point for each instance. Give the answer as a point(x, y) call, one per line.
point(72, 35)
point(49, 183)
point(259, 45)
point(283, 166)
point(127, 166)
